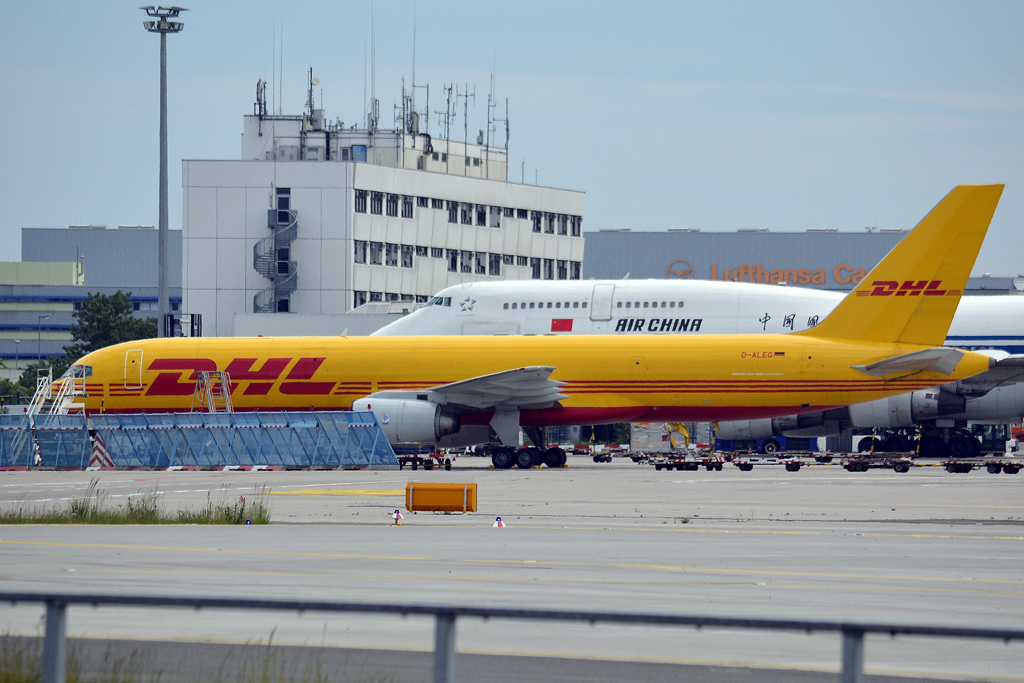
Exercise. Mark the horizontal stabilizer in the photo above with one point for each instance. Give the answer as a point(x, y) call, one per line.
point(1007, 369)
point(942, 360)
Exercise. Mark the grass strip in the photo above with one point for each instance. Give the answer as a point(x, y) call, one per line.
point(94, 507)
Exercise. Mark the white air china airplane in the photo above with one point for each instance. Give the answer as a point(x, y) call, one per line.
point(990, 324)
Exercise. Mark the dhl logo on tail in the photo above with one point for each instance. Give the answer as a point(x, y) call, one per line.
point(908, 288)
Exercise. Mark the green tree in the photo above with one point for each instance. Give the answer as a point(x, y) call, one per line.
point(101, 321)
point(106, 320)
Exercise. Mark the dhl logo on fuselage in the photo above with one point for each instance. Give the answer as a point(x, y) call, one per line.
point(908, 288)
point(260, 380)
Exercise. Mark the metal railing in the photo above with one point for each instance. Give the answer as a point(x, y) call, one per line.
point(852, 633)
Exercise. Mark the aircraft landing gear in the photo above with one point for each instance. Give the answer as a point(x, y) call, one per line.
point(502, 458)
point(555, 457)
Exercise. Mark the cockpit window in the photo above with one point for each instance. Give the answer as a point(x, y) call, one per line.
point(78, 371)
point(447, 301)
point(433, 300)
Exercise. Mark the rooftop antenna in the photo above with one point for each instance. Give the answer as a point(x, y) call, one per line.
point(446, 119)
point(465, 123)
point(374, 104)
point(273, 66)
point(280, 81)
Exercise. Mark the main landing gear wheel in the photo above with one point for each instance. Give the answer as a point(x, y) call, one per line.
point(502, 459)
point(975, 448)
point(555, 457)
point(525, 458)
point(770, 447)
point(959, 447)
point(931, 447)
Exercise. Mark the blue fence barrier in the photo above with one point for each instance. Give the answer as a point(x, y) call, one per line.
point(310, 439)
point(62, 440)
point(15, 441)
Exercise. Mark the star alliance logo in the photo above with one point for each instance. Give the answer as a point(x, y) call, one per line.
point(467, 305)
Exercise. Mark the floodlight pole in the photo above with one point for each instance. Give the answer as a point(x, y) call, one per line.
point(163, 26)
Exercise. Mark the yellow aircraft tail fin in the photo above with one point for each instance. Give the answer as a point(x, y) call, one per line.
point(912, 294)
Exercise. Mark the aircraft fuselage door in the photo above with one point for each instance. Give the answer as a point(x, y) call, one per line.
point(133, 369)
point(601, 302)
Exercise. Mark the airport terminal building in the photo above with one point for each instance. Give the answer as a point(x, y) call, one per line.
point(317, 218)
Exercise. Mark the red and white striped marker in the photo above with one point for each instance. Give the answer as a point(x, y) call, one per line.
point(498, 524)
point(100, 458)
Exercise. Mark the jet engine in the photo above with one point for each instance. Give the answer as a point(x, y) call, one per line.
point(906, 410)
point(406, 421)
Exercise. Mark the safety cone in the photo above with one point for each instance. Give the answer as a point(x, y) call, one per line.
point(498, 524)
point(398, 518)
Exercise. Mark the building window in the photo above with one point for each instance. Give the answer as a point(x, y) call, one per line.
point(508, 260)
point(535, 267)
point(377, 203)
point(444, 157)
point(436, 252)
point(391, 254)
point(391, 296)
point(563, 224)
point(408, 297)
point(360, 255)
point(522, 213)
point(358, 299)
point(575, 270)
point(422, 201)
point(549, 223)
point(436, 203)
point(376, 296)
point(421, 298)
point(509, 213)
point(476, 162)
point(344, 153)
point(481, 263)
point(453, 212)
point(421, 251)
point(434, 156)
point(494, 264)
point(495, 216)
point(453, 261)
point(282, 305)
point(407, 207)
point(577, 226)
point(563, 270)
point(392, 204)
point(361, 201)
point(407, 251)
point(549, 269)
point(522, 261)
point(467, 262)
point(467, 214)
point(467, 161)
point(536, 217)
point(376, 254)
point(481, 215)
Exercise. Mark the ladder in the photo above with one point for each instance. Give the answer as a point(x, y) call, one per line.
point(44, 391)
point(71, 388)
point(213, 392)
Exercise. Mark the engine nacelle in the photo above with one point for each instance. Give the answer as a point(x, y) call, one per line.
point(1001, 405)
point(410, 421)
point(906, 410)
point(745, 429)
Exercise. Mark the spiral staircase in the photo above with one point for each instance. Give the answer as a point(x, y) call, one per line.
point(282, 273)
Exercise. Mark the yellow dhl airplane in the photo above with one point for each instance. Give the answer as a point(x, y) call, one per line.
point(884, 339)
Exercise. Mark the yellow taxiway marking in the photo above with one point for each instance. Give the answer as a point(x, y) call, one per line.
point(340, 492)
point(522, 563)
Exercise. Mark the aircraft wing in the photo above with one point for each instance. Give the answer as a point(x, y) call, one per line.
point(941, 359)
point(527, 388)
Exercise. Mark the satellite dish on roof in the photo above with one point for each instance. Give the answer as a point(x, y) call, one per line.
point(315, 81)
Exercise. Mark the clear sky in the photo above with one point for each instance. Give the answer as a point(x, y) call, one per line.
point(714, 115)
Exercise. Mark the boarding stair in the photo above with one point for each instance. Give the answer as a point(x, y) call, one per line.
point(212, 393)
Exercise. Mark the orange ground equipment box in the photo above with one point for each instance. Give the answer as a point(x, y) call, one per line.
point(421, 497)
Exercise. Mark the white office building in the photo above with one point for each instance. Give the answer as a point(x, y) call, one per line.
point(317, 219)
